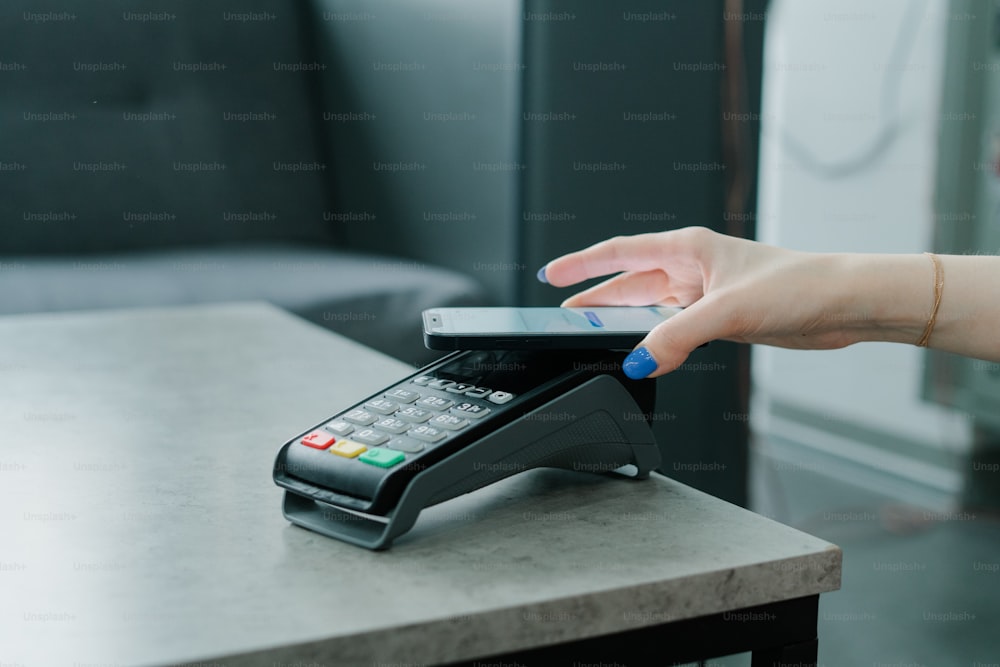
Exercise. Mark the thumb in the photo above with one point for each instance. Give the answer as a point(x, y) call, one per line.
point(668, 345)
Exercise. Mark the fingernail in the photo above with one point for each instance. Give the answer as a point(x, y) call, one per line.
point(639, 363)
point(541, 276)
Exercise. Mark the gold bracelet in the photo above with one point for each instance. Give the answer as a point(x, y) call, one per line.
point(938, 289)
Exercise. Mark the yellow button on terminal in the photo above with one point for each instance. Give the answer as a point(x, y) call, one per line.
point(347, 448)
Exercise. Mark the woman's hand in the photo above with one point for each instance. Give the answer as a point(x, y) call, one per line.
point(731, 289)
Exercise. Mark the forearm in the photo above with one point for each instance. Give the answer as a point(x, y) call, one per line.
point(891, 298)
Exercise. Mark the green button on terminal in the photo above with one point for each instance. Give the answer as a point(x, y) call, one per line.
point(381, 457)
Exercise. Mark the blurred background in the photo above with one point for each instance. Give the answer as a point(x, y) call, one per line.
point(878, 135)
point(356, 161)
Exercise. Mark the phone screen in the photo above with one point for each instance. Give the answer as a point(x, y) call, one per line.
point(571, 321)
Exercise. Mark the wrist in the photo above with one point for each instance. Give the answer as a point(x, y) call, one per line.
point(885, 297)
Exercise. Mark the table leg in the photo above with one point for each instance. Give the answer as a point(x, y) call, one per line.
point(803, 654)
point(779, 633)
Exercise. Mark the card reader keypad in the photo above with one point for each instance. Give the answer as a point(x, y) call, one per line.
point(405, 421)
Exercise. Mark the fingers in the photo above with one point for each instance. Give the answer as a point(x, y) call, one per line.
point(665, 268)
point(625, 289)
point(640, 253)
point(668, 345)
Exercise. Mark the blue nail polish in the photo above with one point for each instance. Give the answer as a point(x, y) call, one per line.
point(639, 363)
point(541, 276)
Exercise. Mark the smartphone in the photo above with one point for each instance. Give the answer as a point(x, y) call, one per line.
point(598, 328)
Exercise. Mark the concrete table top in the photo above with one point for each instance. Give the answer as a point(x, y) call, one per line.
point(139, 524)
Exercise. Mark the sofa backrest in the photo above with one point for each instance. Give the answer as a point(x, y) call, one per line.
point(124, 127)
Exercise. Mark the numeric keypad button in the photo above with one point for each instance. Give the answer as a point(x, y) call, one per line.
point(391, 425)
point(470, 410)
point(360, 417)
point(370, 437)
point(450, 422)
point(414, 414)
point(402, 395)
point(434, 403)
point(383, 406)
point(339, 427)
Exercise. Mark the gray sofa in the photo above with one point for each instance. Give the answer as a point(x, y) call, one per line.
point(179, 153)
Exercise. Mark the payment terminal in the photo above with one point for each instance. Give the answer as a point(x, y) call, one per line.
point(470, 419)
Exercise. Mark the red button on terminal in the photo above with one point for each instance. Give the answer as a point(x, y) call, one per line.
point(319, 440)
